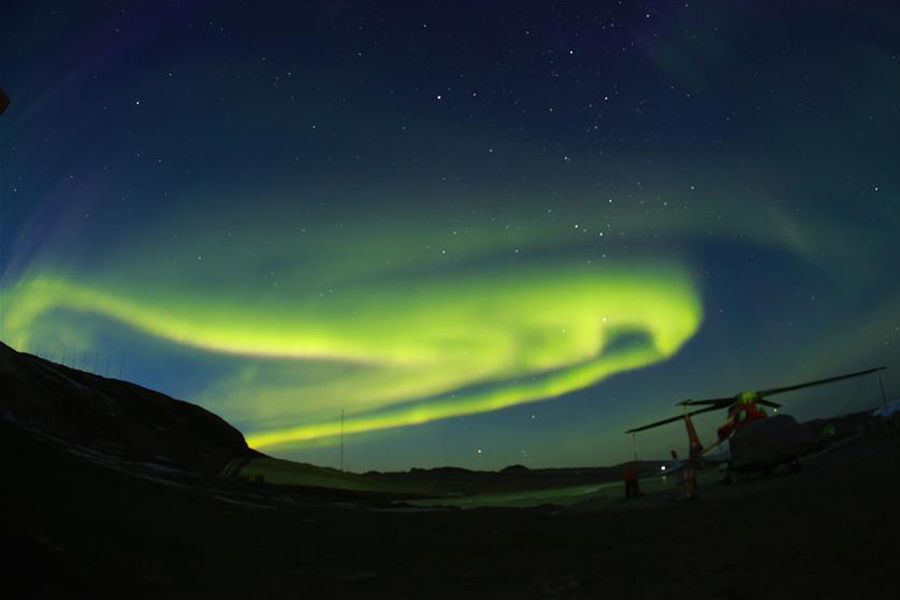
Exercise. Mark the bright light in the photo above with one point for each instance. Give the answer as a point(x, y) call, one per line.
point(662, 468)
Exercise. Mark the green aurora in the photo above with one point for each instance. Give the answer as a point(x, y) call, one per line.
point(513, 335)
point(404, 325)
point(490, 249)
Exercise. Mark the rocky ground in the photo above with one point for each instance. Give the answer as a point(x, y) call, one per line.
point(80, 527)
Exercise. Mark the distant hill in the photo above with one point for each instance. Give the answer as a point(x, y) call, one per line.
point(455, 480)
point(113, 417)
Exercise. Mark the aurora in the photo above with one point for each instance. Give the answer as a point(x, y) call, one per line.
point(483, 250)
point(411, 352)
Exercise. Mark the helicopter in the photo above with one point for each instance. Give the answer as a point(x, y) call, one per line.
point(749, 440)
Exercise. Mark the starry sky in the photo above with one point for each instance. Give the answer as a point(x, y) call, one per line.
point(489, 232)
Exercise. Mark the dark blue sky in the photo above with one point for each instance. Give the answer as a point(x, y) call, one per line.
point(474, 226)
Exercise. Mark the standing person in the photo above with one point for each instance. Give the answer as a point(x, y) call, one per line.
point(629, 475)
point(689, 481)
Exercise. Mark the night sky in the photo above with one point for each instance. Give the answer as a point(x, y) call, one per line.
point(490, 232)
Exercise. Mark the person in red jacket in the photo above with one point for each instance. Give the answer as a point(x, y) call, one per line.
point(631, 482)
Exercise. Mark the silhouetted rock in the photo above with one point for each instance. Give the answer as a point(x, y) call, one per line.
point(113, 417)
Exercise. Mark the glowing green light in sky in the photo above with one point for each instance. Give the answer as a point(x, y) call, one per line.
point(406, 352)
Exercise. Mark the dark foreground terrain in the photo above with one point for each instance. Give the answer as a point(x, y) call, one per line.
point(80, 523)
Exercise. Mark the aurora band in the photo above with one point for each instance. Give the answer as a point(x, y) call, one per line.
point(463, 343)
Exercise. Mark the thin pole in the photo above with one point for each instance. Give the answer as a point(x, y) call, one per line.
point(892, 426)
point(342, 440)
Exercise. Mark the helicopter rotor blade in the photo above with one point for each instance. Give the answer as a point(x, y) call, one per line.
point(757, 397)
point(712, 401)
point(790, 388)
point(673, 419)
